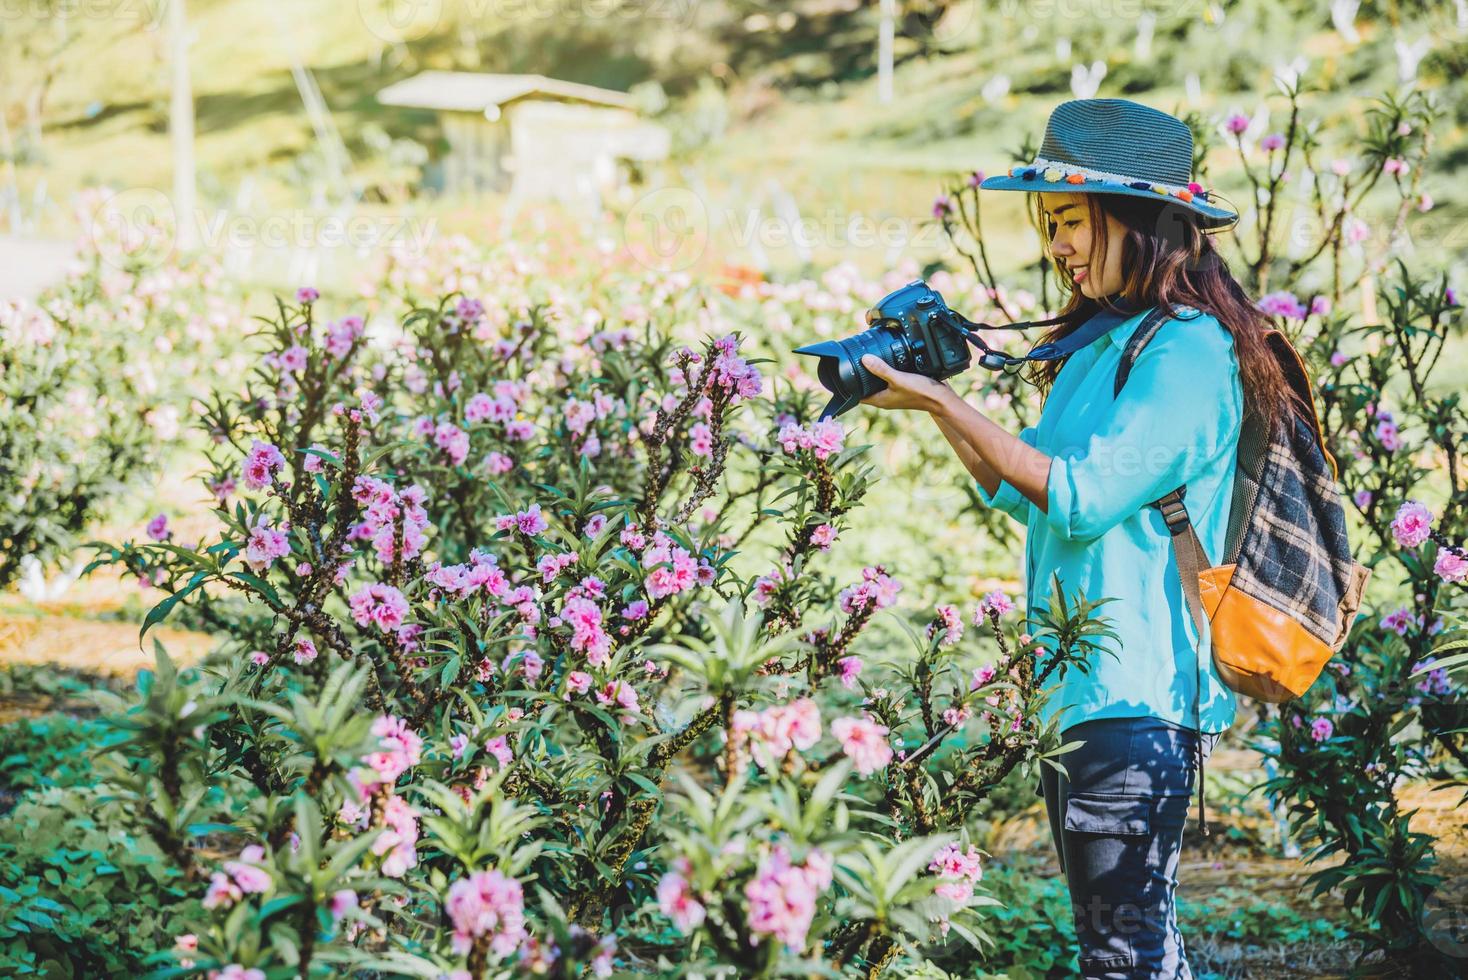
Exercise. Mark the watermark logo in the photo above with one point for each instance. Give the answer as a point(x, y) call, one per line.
point(1445, 923)
point(668, 229)
point(134, 227)
point(400, 21)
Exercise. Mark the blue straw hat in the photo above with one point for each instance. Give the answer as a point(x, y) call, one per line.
point(1115, 146)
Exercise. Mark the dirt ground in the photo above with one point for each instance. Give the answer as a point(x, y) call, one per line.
point(93, 632)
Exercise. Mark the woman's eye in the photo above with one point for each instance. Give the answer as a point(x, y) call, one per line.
point(1072, 224)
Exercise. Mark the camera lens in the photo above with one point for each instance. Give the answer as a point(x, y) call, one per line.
point(840, 369)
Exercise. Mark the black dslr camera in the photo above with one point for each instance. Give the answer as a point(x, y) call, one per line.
point(911, 329)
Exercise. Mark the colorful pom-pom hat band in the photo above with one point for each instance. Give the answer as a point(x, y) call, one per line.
point(1115, 146)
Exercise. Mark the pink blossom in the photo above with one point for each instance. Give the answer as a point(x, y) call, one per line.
point(782, 896)
point(1272, 142)
point(635, 610)
point(1321, 729)
point(222, 891)
point(307, 294)
point(983, 675)
point(942, 205)
point(594, 525)
point(293, 359)
point(1451, 566)
point(498, 463)
point(1320, 306)
point(1282, 304)
point(1398, 621)
point(676, 900)
point(864, 742)
point(1362, 498)
point(519, 430)
point(1386, 434)
point(341, 902)
point(305, 651)
point(453, 440)
point(380, 605)
point(251, 879)
point(529, 522)
point(478, 408)
point(1412, 525)
point(399, 839)
point(876, 587)
point(950, 622)
point(701, 440)
point(341, 335)
point(264, 545)
point(259, 658)
point(850, 671)
point(399, 748)
point(458, 744)
point(234, 971)
point(157, 528)
point(587, 633)
point(823, 537)
point(261, 464)
point(827, 438)
point(1237, 123)
point(671, 569)
point(577, 682)
point(499, 747)
point(618, 692)
point(1395, 166)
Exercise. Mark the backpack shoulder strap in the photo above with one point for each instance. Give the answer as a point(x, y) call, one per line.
point(1142, 336)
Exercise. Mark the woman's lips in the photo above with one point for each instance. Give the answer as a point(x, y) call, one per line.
point(1078, 273)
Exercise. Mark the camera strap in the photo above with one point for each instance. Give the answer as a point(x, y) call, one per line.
point(1098, 323)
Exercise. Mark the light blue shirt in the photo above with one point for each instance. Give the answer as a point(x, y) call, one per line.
point(1176, 422)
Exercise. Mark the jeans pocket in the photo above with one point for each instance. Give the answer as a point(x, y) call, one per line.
point(1112, 815)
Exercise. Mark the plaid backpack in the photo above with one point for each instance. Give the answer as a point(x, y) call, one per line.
point(1282, 598)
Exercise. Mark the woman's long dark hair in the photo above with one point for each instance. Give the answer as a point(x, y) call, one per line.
point(1167, 258)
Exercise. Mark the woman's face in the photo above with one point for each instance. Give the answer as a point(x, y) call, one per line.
point(1096, 275)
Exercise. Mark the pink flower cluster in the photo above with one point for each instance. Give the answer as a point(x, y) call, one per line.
point(1321, 729)
point(778, 730)
point(850, 671)
point(487, 904)
point(782, 896)
point(996, 602)
point(481, 572)
point(1451, 566)
point(399, 838)
point(1282, 304)
point(1412, 525)
point(949, 622)
point(823, 438)
point(960, 870)
point(379, 605)
point(823, 537)
point(341, 335)
point(876, 587)
point(261, 464)
point(550, 566)
point(528, 521)
point(264, 545)
point(382, 506)
point(732, 372)
point(238, 879)
point(399, 749)
point(864, 741)
point(676, 899)
point(587, 634)
point(671, 569)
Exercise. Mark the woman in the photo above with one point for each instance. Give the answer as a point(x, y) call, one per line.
point(1126, 228)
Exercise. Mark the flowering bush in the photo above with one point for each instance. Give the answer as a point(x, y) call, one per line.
point(495, 695)
point(92, 392)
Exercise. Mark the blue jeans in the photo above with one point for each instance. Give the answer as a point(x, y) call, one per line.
point(1117, 818)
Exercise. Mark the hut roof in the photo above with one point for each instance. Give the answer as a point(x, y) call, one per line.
point(467, 91)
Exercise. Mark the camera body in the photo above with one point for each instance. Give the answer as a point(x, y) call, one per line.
point(911, 328)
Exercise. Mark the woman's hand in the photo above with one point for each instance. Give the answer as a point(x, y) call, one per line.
point(904, 389)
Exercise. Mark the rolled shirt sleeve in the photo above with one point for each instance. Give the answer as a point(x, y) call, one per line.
point(1181, 405)
point(1007, 498)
